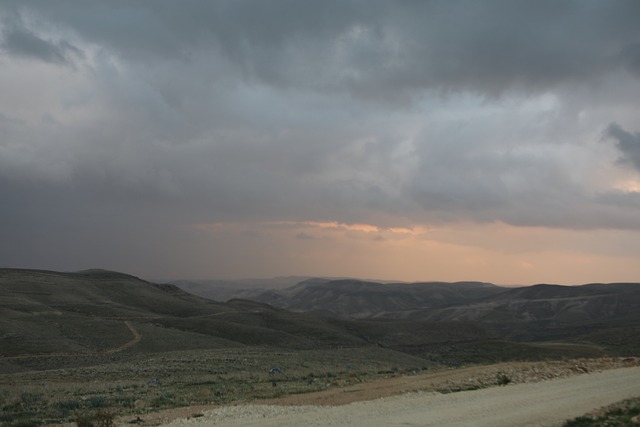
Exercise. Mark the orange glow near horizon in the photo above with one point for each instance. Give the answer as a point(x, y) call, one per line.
point(629, 186)
point(493, 252)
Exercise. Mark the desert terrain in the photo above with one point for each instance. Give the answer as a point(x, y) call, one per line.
point(76, 347)
point(546, 403)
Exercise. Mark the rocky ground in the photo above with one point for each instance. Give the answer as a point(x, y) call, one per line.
point(546, 403)
point(443, 381)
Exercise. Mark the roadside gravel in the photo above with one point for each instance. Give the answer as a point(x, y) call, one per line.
point(543, 403)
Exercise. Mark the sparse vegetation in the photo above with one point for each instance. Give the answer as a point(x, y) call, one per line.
point(23, 422)
point(621, 414)
point(224, 376)
point(503, 379)
point(147, 347)
point(68, 406)
point(167, 380)
point(97, 419)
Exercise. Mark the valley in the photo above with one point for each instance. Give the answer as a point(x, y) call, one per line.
point(73, 344)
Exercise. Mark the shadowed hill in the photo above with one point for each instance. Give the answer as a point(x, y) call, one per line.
point(224, 290)
point(95, 293)
point(84, 313)
point(359, 299)
point(51, 319)
point(614, 303)
point(604, 315)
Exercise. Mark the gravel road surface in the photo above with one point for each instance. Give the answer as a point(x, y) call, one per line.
point(546, 403)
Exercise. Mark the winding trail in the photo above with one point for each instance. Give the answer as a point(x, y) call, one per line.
point(134, 341)
point(546, 403)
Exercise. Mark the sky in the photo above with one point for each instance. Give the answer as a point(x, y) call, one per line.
point(493, 140)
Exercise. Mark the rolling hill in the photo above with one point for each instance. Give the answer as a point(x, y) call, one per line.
point(589, 314)
point(54, 319)
point(48, 318)
point(352, 298)
point(82, 343)
point(616, 303)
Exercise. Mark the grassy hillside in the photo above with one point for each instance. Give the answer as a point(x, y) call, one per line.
point(46, 312)
point(51, 319)
point(98, 339)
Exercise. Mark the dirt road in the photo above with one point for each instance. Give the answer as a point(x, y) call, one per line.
point(136, 337)
point(546, 403)
point(134, 341)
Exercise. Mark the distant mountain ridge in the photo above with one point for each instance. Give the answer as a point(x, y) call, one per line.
point(442, 301)
point(344, 297)
point(362, 299)
point(55, 319)
point(613, 303)
point(85, 313)
point(536, 312)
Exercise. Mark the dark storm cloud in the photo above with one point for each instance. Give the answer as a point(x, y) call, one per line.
point(373, 49)
point(22, 42)
point(478, 182)
point(388, 113)
point(628, 143)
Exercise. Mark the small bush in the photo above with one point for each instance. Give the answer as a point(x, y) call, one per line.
point(619, 414)
point(164, 400)
point(503, 379)
point(84, 421)
point(99, 419)
point(67, 406)
point(29, 401)
point(103, 419)
point(125, 401)
point(97, 401)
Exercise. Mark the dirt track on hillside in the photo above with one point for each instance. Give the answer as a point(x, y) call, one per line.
point(136, 337)
point(134, 341)
point(546, 403)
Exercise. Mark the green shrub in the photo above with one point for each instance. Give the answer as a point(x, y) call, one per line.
point(67, 406)
point(125, 401)
point(84, 421)
point(99, 419)
point(619, 414)
point(163, 400)
point(503, 379)
point(97, 401)
point(103, 419)
point(29, 401)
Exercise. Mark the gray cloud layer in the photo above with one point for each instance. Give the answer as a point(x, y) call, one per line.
point(367, 47)
point(389, 113)
point(628, 143)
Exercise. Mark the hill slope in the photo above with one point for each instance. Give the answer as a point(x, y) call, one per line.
point(360, 299)
point(51, 319)
point(606, 316)
point(614, 304)
point(94, 313)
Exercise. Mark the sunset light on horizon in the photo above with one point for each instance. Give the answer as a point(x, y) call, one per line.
point(413, 141)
